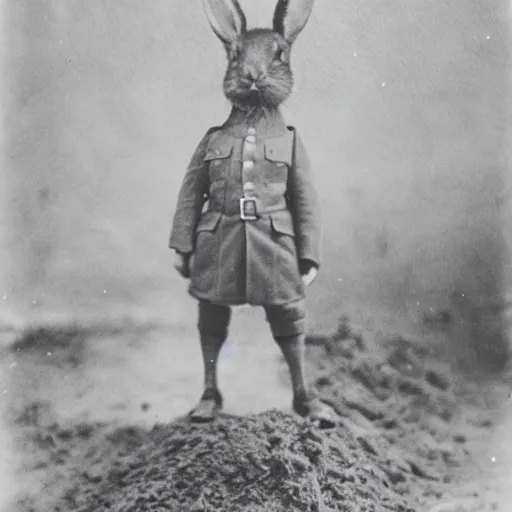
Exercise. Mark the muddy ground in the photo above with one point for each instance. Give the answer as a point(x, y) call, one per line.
point(95, 431)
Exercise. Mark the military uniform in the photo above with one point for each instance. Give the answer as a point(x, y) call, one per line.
point(249, 251)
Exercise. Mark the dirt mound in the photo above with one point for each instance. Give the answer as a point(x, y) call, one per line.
point(263, 462)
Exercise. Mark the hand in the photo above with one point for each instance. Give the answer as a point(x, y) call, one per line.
point(182, 264)
point(308, 271)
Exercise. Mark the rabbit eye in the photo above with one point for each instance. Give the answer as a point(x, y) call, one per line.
point(280, 55)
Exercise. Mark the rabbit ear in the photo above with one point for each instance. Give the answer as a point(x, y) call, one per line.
point(226, 19)
point(291, 16)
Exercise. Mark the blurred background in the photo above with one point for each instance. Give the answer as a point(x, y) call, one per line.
point(403, 109)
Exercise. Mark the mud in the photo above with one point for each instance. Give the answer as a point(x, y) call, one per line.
point(405, 422)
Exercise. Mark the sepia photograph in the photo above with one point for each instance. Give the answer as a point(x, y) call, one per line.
point(256, 256)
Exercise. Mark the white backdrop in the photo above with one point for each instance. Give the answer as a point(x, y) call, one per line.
point(402, 106)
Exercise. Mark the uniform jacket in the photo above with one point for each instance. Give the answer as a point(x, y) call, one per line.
point(257, 261)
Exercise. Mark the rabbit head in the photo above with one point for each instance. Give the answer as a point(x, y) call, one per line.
point(258, 73)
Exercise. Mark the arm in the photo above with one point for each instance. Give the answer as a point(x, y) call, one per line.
point(191, 198)
point(305, 208)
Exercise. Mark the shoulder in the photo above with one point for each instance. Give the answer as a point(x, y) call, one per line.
point(210, 133)
point(294, 134)
point(212, 130)
point(297, 140)
point(205, 140)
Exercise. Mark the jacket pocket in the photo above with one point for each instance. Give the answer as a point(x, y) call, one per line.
point(282, 223)
point(217, 157)
point(205, 260)
point(279, 150)
point(285, 269)
point(218, 150)
point(209, 222)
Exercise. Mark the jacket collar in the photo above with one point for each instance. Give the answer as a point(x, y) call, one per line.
point(268, 123)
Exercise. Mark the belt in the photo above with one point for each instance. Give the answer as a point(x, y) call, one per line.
point(248, 213)
point(248, 209)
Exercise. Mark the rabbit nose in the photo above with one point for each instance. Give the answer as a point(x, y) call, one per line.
point(252, 75)
point(253, 80)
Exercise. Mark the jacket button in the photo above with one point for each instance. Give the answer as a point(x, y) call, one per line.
point(251, 139)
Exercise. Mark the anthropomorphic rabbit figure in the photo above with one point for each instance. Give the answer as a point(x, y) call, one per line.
point(247, 226)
